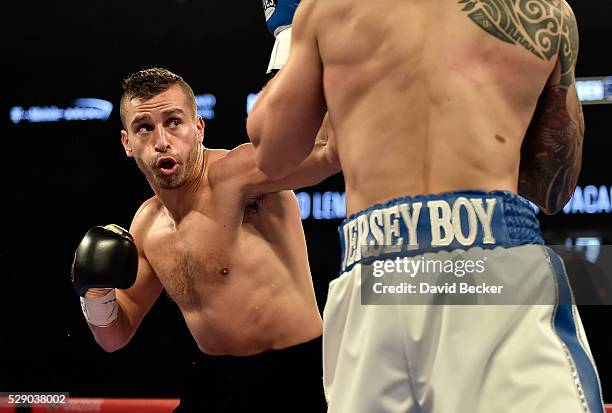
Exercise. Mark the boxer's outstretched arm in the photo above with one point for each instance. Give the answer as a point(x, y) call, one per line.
point(551, 155)
point(134, 302)
point(287, 116)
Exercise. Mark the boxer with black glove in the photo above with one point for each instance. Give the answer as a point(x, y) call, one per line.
point(106, 259)
point(226, 243)
point(116, 283)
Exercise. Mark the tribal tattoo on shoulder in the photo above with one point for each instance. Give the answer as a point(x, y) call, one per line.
point(552, 150)
point(546, 28)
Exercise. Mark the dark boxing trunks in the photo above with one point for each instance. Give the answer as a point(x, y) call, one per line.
point(287, 380)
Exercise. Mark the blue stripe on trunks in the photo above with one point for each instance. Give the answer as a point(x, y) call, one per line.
point(565, 327)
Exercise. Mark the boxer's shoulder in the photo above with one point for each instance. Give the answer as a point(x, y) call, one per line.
point(148, 208)
point(537, 25)
point(144, 217)
point(216, 160)
point(565, 6)
point(226, 166)
point(214, 155)
point(308, 14)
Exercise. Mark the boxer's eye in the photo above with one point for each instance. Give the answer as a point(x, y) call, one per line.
point(173, 123)
point(144, 128)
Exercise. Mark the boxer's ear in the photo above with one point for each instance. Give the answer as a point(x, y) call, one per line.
point(200, 126)
point(126, 144)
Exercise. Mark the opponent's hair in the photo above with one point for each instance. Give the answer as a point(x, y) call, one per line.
point(148, 83)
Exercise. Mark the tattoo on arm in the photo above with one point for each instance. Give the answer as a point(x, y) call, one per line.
point(551, 155)
point(552, 150)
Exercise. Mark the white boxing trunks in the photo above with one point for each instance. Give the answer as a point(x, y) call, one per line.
point(452, 304)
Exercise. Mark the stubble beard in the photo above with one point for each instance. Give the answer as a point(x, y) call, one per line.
point(173, 181)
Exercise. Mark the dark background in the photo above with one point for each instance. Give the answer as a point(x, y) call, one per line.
point(61, 178)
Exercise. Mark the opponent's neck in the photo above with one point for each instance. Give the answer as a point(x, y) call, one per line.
point(180, 201)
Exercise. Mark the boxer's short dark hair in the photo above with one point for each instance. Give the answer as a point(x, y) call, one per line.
point(148, 83)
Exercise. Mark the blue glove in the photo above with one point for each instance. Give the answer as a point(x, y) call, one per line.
point(279, 14)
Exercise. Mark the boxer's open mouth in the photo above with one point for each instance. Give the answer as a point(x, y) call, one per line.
point(167, 165)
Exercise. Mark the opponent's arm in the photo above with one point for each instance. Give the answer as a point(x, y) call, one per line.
point(551, 155)
point(107, 258)
point(285, 119)
point(239, 165)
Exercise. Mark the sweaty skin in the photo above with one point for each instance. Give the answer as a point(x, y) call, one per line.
point(429, 96)
point(221, 241)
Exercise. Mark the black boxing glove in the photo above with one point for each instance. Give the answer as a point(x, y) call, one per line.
point(106, 258)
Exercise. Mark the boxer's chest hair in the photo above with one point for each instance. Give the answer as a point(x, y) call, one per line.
point(180, 282)
point(544, 27)
point(191, 260)
point(192, 273)
point(205, 264)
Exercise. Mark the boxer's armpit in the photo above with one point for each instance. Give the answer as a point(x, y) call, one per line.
point(551, 154)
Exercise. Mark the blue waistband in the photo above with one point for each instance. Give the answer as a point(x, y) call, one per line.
point(428, 223)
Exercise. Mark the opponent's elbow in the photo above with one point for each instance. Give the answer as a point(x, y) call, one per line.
point(548, 205)
point(547, 210)
point(273, 167)
point(556, 207)
point(254, 127)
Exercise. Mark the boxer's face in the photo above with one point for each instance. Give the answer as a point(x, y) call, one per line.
point(164, 136)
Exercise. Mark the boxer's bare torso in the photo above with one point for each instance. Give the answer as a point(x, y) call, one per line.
point(236, 267)
point(429, 96)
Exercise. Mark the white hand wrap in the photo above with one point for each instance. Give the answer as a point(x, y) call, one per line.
point(101, 311)
point(280, 51)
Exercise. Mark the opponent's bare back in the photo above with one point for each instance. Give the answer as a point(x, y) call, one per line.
point(428, 96)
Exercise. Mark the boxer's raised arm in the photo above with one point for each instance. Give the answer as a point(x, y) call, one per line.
point(551, 155)
point(113, 315)
point(239, 165)
point(289, 112)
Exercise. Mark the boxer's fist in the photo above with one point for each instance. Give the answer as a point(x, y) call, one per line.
point(279, 14)
point(106, 258)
